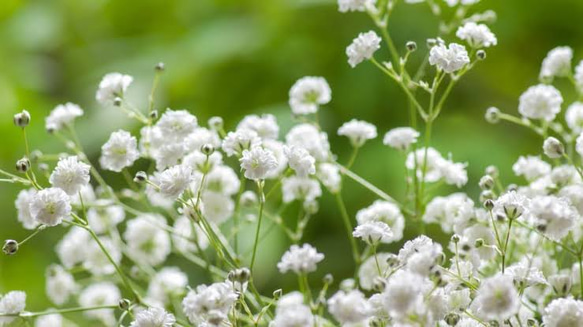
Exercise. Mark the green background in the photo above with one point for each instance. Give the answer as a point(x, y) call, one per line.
point(235, 57)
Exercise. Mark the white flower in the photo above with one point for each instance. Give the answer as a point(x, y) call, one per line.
point(240, 140)
point(201, 136)
point(452, 212)
point(52, 320)
point(265, 126)
point(176, 125)
point(257, 163)
point(292, 312)
point(497, 298)
point(169, 281)
point(401, 138)
point(62, 116)
point(22, 204)
point(579, 75)
point(540, 102)
point(368, 273)
point(420, 255)
point(454, 173)
point(387, 213)
point(403, 294)
point(60, 284)
point(216, 207)
point(119, 152)
point(300, 259)
point(308, 93)
point(70, 175)
point(553, 148)
point(112, 85)
point(329, 176)
point(354, 5)
point(146, 241)
point(11, 303)
point(99, 294)
point(554, 216)
point(574, 117)
point(449, 59)
point(477, 35)
point(72, 249)
point(453, 3)
point(363, 47)
point(186, 233)
point(433, 164)
point(154, 317)
point(213, 301)
point(579, 145)
point(358, 132)
point(200, 162)
point(557, 63)
point(310, 138)
point(373, 232)
point(223, 180)
point(277, 148)
point(349, 307)
point(96, 262)
point(563, 312)
point(105, 216)
point(531, 167)
point(300, 160)
point(50, 206)
point(300, 188)
point(175, 180)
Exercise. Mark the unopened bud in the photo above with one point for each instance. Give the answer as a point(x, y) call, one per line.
point(10, 247)
point(141, 177)
point(492, 171)
point(479, 243)
point(379, 284)
point(328, 279)
point(23, 165)
point(481, 54)
point(277, 293)
point(486, 182)
point(22, 119)
point(159, 67)
point(489, 204)
point(486, 195)
point(248, 199)
point(117, 101)
point(347, 284)
point(124, 304)
point(493, 115)
point(154, 114)
point(311, 207)
point(431, 43)
point(452, 319)
point(207, 149)
point(553, 148)
point(455, 238)
point(411, 46)
point(561, 283)
point(216, 123)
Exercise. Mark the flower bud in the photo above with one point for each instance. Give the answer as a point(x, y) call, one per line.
point(489, 204)
point(486, 182)
point(328, 279)
point(431, 43)
point(481, 54)
point(248, 199)
point(277, 293)
point(216, 123)
point(154, 114)
point(479, 243)
point(553, 148)
point(159, 67)
point(23, 165)
point(455, 238)
point(493, 115)
point(242, 275)
point(561, 284)
point(141, 177)
point(10, 247)
point(492, 171)
point(531, 322)
point(486, 195)
point(452, 319)
point(43, 167)
point(124, 304)
point(411, 46)
point(311, 207)
point(117, 101)
point(207, 149)
point(347, 284)
point(35, 155)
point(379, 284)
point(22, 119)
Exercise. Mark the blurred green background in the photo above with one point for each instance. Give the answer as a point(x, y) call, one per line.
point(235, 57)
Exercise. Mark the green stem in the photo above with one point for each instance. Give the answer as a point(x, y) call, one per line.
point(260, 217)
point(348, 225)
point(57, 311)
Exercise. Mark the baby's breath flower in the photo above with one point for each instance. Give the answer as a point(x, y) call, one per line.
point(257, 163)
point(329, 176)
point(99, 294)
point(449, 58)
point(265, 126)
point(308, 93)
point(119, 152)
point(300, 188)
point(113, 85)
point(497, 298)
point(12, 303)
point(401, 138)
point(563, 312)
point(358, 132)
point(70, 175)
point(354, 5)
point(146, 241)
point(292, 312)
point(175, 180)
point(363, 47)
point(168, 282)
point(300, 160)
point(240, 140)
point(553, 148)
point(60, 284)
point(50, 206)
point(62, 116)
point(387, 213)
point(531, 167)
point(373, 232)
point(300, 260)
point(554, 216)
point(154, 317)
point(349, 307)
point(477, 35)
point(176, 125)
point(574, 117)
point(206, 303)
point(310, 138)
point(22, 203)
point(557, 63)
point(540, 102)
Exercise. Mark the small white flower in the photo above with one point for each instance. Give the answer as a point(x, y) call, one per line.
point(358, 132)
point(50, 206)
point(349, 307)
point(401, 138)
point(52, 320)
point(453, 3)
point(11, 303)
point(63, 115)
point(119, 152)
point(70, 175)
point(579, 145)
point(373, 232)
point(265, 126)
point(310, 138)
point(300, 188)
point(169, 281)
point(387, 213)
point(105, 216)
point(531, 167)
point(300, 259)
point(95, 260)
point(154, 317)
point(308, 93)
point(574, 117)
point(60, 284)
point(177, 125)
point(363, 47)
point(201, 136)
point(540, 102)
point(146, 241)
point(511, 205)
point(354, 5)
point(454, 173)
point(72, 249)
point(563, 312)
point(175, 180)
point(300, 160)
point(240, 140)
point(22, 203)
point(368, 273)
point(452, 212)
point(186, 233)
point(217, 207)
point(222, 179)
point(433, 164)
point(292, 312)
point(449, 59)
point(579, 75)
point(257, 163)
point(553, 148)
point(554, 216)
point(213, 301)
point(477, 35)
point(329, 176)
point(497, 298)
point(404, 293)
point(99, 294)
point(557, 63)
point(112, 85)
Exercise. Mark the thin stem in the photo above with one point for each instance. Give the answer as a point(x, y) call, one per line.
point(57, 311)
point(260, 217)
point(348, 225)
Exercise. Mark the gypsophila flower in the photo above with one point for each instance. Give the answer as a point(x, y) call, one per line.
point(265, 126)
point(540, 102)
point(217, 207)
point(105, 216)
point(563, 312)
point(70, 175)
point(349, 307)
point(300, 188)
point(176, 125)
point(449, 58)
point(358, 132)
point(240, 140)
point(213, 301)
point(553, 148)
point(329, 176)
point(454, 173)
point(557, 63)
point(511, 204)
point(257, 163)
point(574, 117)
point(119, 152)
point(354, 5)
point(96, 262)
point(531, 167)
point(307, 136)
point(72, 249)
point(579, 75)
point(373, 232)
point(154, 317)
point(300, 160)
point(60, 284)
point(186, 233)
point(363, 47)
point(477, 35)
point(146, 241)
point(168, 282)
point(52, 320)
point(50, 206)
point(175, 180)
point(387, 213)
point(112, 85)
point(292, 312)
point(497, 298)
point(453, 3)
point(404, 293)
point(401, 138)
point(22, 204)
point(308, 93)
point(368, 273)
point(222, 179)
point(300, 260)
point(552, 215)
point(579, 144)
point(11, 303)
point(100, 294)
point(62, 116)
point(432, 164)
